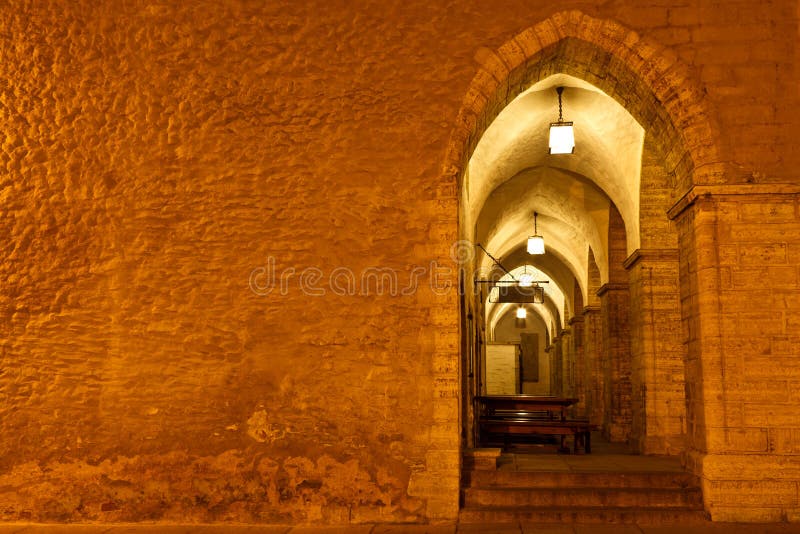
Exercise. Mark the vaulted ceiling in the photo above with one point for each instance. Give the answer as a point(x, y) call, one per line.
point(511, 175)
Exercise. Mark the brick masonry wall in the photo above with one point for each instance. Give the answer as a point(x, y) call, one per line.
point(593, 344)
point(155, 154)
point(578, 354)
point(658, 353)
point(657, 345)
point(616, 355)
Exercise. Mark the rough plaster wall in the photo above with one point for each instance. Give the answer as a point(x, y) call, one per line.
point(506, 331)
point(502, 369)
point(155, 154)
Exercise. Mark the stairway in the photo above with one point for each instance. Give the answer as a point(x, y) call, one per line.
point(591, 496)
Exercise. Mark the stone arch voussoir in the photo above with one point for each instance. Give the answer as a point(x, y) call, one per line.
point(676, 111)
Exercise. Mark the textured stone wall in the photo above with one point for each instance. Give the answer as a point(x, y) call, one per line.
point(615, 319)
point(556, 356)
point(155, 154)
point(593, 348)
point(658, 352)
point(567, 363)
point(578, 355)
point(741, 254)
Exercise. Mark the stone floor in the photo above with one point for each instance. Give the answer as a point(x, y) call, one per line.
point(710, 528)
point(621, 463)
point(605, 456)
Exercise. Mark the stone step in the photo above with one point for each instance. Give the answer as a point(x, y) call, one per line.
point(567, 479)
point(571, 514)
point(690, 498)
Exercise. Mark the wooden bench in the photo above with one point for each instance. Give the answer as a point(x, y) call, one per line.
point(554, 407)
point(581, 430)
point(527, 415)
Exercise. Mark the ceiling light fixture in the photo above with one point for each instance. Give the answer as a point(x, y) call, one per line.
point(535, 242)
point(521, 313)
point(525, 279)
point(562, 138)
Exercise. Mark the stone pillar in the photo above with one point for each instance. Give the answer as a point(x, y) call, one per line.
point(616, 352)
point(592, 350)
point(579, 359)
point(616, 355)
point(437, 478)
point(567, 363)
point(556, 367)
point(563, 341)
point(657, 353)
point(740, 302)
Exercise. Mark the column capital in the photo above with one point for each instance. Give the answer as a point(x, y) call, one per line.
point(651, 254)
point(605, 288)
point(708, 192)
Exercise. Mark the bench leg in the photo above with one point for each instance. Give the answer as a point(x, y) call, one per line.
point(588, 439)
point(563, 449)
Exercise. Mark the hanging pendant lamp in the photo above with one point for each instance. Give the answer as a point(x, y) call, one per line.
point(562, 137)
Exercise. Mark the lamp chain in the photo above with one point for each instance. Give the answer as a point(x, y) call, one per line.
point(560, 118)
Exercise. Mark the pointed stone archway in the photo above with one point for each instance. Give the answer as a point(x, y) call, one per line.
point(683, 148)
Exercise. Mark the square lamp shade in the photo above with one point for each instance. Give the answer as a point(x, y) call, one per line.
point(535, 244)
point(562, 138)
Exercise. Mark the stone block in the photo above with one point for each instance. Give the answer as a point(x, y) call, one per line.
point(784, 440)
point(752, 493)
point(744, 514)
point(446, 461)
point(481, 459)
point(442, 508)
point(771, 414)
point(430, 485)
point(445, 410)
point(738, 440)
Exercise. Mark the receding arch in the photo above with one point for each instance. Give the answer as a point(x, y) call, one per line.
point(553, 268)
point(513, 155)
point(555, 298)
point(646, 80)
point(571, 210)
